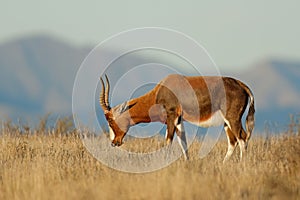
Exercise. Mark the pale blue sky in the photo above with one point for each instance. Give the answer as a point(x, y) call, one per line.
point(235, 33)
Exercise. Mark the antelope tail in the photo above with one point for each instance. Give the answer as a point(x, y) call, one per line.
point(250, 117)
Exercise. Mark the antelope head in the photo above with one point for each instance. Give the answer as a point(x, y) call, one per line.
point(117, 117)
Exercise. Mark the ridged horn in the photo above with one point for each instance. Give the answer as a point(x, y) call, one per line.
point(107, 92)
point(104, 95)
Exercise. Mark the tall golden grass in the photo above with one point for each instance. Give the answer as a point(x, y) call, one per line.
point(49, 164)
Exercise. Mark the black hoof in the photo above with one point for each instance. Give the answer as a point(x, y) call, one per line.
point(113, 145)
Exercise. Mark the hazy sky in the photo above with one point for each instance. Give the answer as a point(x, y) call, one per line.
point(235, 33)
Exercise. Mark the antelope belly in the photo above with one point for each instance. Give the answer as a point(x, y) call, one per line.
point(216, 119)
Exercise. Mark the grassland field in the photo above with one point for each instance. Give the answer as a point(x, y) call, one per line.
point(50, 164)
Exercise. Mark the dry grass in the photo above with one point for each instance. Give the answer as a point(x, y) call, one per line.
point(50, 165)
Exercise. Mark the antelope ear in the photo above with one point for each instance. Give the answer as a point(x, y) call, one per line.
point(130, 106)
point(125, 106)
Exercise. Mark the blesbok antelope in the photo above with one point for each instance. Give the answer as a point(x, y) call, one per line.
point(202, 100)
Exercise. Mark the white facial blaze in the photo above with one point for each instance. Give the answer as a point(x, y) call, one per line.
point(111, 134)
point(166, 134)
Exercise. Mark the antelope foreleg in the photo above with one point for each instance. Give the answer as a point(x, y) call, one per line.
point(182, 139)
point(170, 131)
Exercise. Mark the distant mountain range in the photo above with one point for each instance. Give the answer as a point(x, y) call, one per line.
point(37, 75)
point(276, 86)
